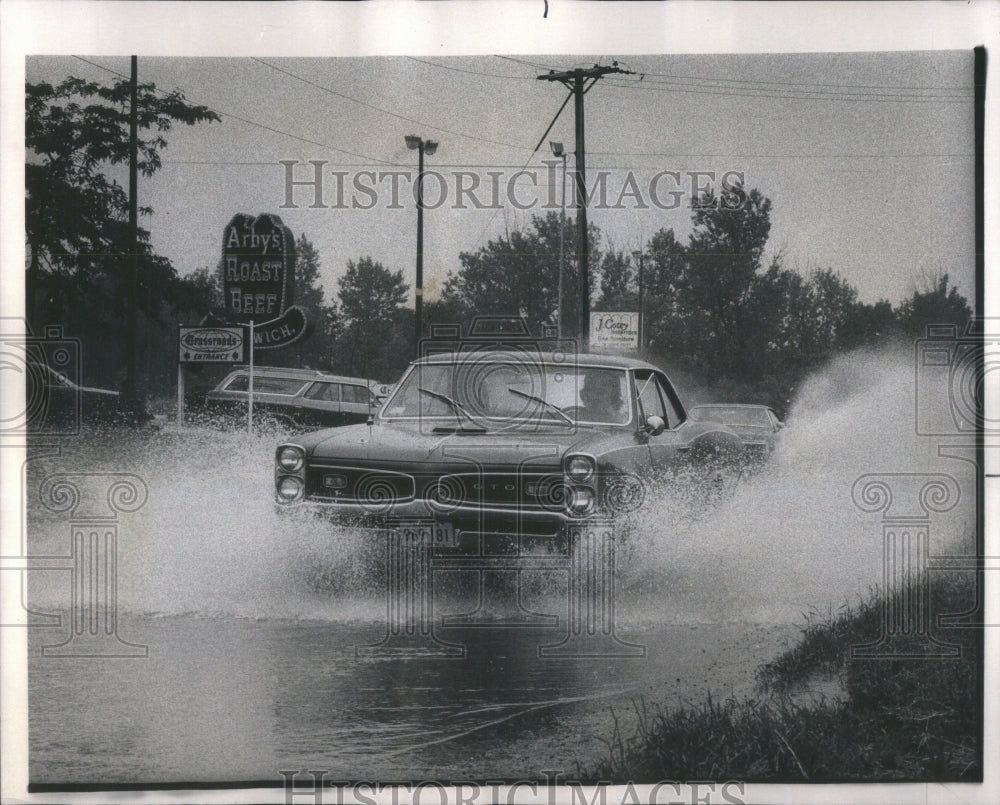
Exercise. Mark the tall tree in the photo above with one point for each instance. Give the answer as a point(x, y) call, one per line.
point(78, 238)
point(619, 290)
point(76, 216)
point(724, 255)
point(370, 300)
point(315, 350)
point(518, 274)
point(666, 324)
point(936, 304)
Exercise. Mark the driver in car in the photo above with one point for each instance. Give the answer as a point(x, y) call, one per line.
point(601, 395)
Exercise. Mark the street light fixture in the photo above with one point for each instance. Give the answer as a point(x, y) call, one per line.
point(559, 151)
point(415, 143)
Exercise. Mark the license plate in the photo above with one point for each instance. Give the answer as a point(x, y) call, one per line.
point(436, 532)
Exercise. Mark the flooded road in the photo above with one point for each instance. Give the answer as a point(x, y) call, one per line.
point(237, 699)
point(250, 621)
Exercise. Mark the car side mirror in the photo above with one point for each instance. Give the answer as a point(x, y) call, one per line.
point(655, 425)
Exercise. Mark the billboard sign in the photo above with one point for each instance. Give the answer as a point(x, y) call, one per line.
point(212, 345)
point(614, 332)
point(259, 267)
point(258, 256)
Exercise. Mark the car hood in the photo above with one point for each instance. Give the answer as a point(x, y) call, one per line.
point(404, 443)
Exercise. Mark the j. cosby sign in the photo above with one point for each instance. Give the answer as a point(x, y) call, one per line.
point(617, 332)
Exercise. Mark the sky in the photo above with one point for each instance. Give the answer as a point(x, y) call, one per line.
point(866, 157)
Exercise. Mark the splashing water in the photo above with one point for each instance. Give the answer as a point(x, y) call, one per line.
point(790, 539)
point(209, 541)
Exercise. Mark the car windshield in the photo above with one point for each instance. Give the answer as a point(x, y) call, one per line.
point(731, 415)
point(488, 393)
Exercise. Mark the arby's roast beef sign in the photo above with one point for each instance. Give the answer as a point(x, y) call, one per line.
point(258, 255)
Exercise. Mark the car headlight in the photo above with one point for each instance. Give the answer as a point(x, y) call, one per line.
point(290, 488)
point(291, 458)
point(580, 468)
point(581, 500)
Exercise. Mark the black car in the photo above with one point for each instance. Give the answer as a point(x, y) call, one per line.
point(504, 441)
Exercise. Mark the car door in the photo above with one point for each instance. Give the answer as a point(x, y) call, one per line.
point(356, 402)
point(776, 423)
point(322, 403)
point(658, 398)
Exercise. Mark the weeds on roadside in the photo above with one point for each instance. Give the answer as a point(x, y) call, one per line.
point(901, 719)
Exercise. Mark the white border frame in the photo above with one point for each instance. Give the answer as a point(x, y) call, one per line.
point(461, 28)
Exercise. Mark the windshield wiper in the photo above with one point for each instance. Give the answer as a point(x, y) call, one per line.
point(555, 408)
point(455, 405)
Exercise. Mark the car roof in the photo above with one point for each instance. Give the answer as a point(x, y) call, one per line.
point(302, 374)
point(541, 356)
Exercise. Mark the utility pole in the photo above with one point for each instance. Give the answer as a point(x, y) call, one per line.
point(131, 391)
point(579, 82)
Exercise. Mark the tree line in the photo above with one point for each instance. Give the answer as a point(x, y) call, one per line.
point(716, 307)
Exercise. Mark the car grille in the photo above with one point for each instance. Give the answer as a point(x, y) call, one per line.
point(377, 489)
point(542, 491)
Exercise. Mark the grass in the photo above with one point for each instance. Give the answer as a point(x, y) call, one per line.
point(898, 719)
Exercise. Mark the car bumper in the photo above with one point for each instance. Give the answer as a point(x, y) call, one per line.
point(465, 519)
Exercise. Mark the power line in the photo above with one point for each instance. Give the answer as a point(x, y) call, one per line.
point(259, 125)
point(666, 87)
point(798, 83)
point(813, 92)
point(534, 65)
point(818, 93)
point(769, 86)
point(470, 72)
point(386, 111)
point(703, 79)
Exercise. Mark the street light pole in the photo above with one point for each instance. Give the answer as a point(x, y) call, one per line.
point(422, 146)
point(640, 255)
point(559, 151)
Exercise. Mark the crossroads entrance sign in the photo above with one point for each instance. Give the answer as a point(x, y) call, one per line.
point(258, 255)
point(212, 345)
